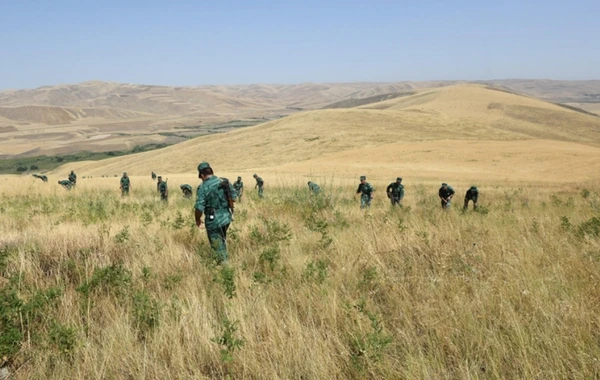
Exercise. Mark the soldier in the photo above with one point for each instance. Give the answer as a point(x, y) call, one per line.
point(314, 187)
point(73, 177)
point(42, 177)
point(260, 184)
point(395, 192)
point(125, 185)
point(153, 176)
point(187, 190)
point(214, 199)
point(66, 184)
point(163, 190)
point(366, 191)
point(471, 195)
point(446, 193)
point(238, 186)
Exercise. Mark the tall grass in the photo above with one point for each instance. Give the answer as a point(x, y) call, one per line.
point(98, 286)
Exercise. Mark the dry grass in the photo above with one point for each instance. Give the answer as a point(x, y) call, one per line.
point(510, 292)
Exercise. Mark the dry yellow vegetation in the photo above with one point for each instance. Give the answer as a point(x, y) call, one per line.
point(94, 286)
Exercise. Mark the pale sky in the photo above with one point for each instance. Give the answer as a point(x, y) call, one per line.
point(243, 42)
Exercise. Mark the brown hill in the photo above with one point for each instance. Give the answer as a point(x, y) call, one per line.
point(449, 119)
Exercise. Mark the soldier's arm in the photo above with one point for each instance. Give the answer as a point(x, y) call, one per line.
point(199, 207)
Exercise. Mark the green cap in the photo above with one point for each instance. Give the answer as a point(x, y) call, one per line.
point(239, 177)
point(203, 165)
point(474, 187)
point(399, 179)
point(363, 177)
point(254, 175)
point(444, 184)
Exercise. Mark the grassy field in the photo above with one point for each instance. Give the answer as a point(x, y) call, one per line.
point(97, 286)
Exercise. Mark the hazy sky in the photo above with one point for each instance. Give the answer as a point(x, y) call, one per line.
point(228, 42)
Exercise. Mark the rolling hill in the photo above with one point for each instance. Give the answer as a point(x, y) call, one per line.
point(462, 131)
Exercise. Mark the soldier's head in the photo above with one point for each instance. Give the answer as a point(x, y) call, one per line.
point(444, 185)
point(181, 186)
point(239, 178)
point(204, 170)
point(59, 182)
point(399, 179)
point(254, 175)
point(124, 174)
point(72, 172)
point(159, 178)
point(363, 179)
point(309, 182)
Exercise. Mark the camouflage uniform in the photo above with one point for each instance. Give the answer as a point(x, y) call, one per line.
point(73, 178)
point(446, 193)
point(42, 177)
point(153, 176)
point(211, 200)
point(125, 185)
point(471, 195)
point(314, 187)
point(162, 189)
point(395, 191)
point(187, 190)
point(260, 184)
point(366, 192)
point(66, 184)
point(238, 186)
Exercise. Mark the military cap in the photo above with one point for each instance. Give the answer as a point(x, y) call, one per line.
point(399, 179)
point(203, 165)
point(254, 175)
point(160, 177)
point(363, 177)
point(239, 177)
point(474, 187)
point(444, 184)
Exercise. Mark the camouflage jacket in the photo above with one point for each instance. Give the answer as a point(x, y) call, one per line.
point(162, 188)
point(365, 190)
point(472, 193)
point(238, 185)
point(125, 182)
point(445, 193)
point(212, 201)
point(314, 188)
point(259, 182)
point(397, 189)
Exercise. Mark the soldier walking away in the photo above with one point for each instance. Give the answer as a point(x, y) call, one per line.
point(366, 192)
point(187, 190)
point(153, 176)
point(66, 184)
point(471, 195)
point(238, 186)
point(73, 178)
point(446, 193)
point(125, 185)
point(214, 200)
point(163, 189)
point(395, 192)
point(42, 177)
point(260, 184)
point(314, 187)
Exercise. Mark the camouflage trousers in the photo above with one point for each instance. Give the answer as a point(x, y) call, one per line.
point(239, 196)
point(474, 199)
point(217, 237)
point(260, 192)
point(396, 200)
point(365, 201)
point(124, 191)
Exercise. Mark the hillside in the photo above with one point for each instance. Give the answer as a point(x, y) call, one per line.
point(468, 121)
point(101, 116)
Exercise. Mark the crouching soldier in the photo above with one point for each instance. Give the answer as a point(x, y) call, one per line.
point(66, 184)
point(446, 193)
point(187, 190)
point(471, 195)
